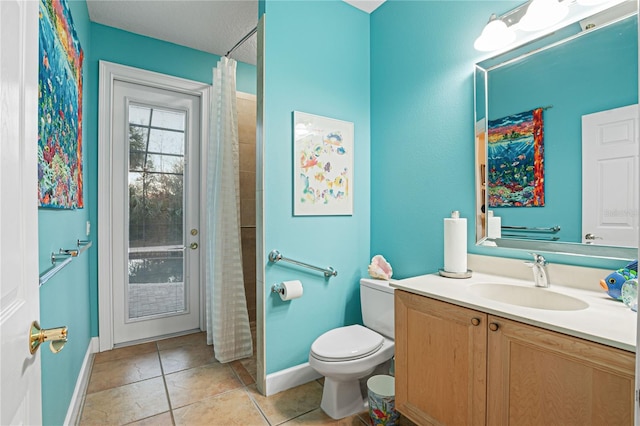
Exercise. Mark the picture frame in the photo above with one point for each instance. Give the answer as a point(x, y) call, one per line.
point(323, 153)
point(60, 184)
point(515, 160)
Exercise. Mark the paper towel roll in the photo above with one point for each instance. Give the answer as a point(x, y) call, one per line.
point(290, 290)
point(494, 226)
point(455, 244)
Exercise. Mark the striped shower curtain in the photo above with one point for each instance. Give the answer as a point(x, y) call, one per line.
point(227, 318)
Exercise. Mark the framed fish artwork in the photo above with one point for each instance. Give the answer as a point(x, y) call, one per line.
point(515, 160)
point(323, 165)
point(59, 109)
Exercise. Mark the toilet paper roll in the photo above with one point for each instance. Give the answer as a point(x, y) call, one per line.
point(455, 245)
point(290, 290)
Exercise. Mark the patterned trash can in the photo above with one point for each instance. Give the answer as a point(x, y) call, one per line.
point(382, 401)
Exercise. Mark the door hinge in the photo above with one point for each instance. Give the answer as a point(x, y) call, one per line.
point(638, 396)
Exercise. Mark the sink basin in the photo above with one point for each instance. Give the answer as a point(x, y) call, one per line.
point(530, 297)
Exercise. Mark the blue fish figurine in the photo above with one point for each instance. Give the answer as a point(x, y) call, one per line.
point(613, 282)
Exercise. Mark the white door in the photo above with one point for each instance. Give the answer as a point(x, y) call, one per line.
point(610, 177)
point(19, 294)
point(155, 235)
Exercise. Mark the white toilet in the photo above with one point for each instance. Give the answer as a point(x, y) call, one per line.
point(346, 354)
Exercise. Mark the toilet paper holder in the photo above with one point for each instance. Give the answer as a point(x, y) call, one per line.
point(288, 290)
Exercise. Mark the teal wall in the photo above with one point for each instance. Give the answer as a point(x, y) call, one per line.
point(125, 48)
point(316, 61)
point(592, 73)
point(422, 152)
point(64, 299)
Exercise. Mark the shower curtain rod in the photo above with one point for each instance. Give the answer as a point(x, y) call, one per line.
point(238, 44)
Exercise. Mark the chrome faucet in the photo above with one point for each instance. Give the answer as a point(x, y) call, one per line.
point(539, 268)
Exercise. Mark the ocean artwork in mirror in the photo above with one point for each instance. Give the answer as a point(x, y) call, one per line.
point(515, 160)
point(579, 70)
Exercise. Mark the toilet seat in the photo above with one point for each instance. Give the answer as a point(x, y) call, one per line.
point(346, 343)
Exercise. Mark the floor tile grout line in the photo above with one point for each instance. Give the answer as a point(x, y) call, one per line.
point(166, 388)
point(255, 403)
point(298, 416)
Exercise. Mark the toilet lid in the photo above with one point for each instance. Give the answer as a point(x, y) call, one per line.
point(346, 343)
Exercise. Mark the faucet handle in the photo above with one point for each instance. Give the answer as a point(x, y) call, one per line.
point(539, 259)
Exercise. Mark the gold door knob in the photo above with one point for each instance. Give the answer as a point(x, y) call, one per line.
point(193, 246)
point(56, 336)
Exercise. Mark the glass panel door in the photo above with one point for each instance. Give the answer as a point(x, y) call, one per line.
point(155, 212)
point(156, 206)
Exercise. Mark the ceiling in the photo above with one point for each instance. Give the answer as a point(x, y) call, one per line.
point(211, 26)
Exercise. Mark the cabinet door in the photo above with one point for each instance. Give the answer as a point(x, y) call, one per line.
point(440, 361)
point(538, 377)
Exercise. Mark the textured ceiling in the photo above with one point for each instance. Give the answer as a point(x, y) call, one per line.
point(211, 26)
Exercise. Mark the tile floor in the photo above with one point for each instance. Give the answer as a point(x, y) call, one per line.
point(177, 381)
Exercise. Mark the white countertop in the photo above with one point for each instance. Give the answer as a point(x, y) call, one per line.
point(605, 321)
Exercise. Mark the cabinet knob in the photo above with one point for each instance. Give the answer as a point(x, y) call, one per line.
point(475, 321)
point(493, 326)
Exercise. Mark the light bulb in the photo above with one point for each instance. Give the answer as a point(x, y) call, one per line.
point(495, 35)
point(543, 14)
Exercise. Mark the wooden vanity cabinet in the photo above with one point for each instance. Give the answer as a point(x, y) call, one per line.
point(458, 366)
point(540, 377)
point(440, 361)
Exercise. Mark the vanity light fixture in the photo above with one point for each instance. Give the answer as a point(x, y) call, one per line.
point(495, 35)
point(542, 14)
point(533, 15)
point(590, 2)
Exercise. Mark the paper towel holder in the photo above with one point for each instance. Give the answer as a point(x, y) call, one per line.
point(277, 288)
point(459, 275)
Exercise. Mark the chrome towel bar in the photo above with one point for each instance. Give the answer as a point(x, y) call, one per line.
point(552, 229)
point(275, 256)
point(63, 258)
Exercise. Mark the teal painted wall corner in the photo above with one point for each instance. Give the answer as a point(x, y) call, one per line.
point(316, 61)
point(422, 126)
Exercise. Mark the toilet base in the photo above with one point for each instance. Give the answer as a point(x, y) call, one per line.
point(342, 399)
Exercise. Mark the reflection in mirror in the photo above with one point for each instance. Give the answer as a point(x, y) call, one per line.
point(557, 144)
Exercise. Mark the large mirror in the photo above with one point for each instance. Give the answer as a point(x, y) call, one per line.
point(557, 141)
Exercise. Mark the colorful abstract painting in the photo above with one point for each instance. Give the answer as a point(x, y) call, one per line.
point(59, 109)
point(323, 166)
point(515, 163)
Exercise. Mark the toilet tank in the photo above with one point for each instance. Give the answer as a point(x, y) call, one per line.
point(376, 298)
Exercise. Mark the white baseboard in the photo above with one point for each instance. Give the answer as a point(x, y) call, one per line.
point(75, 405)
point(290, 378)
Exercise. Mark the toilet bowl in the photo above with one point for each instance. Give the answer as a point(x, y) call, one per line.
point(347, 354)
point(343, 362)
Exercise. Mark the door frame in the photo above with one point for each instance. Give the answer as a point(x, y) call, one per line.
point(109, 72)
